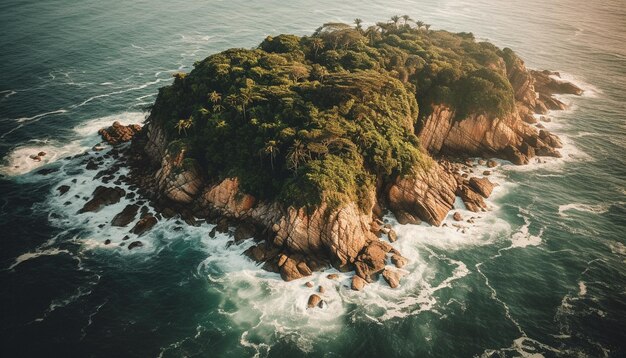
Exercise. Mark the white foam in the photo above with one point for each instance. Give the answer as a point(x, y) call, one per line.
point(18, 161)
point(596, 209)
point(32, 255)
point(582, 288)
point(590, 90)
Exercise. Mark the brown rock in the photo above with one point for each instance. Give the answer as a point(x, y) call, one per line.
point(309, 284)
point(428, 194)
point(321, 289)
point(314, 300)
point(126, 216)
point(473, 201)
point(290, 269)
point(332, 276)
point(457, 216)
point(482, 186)
point(492, 163)
point(118, 133)
point(244, 231)
point(398, 260)
point(393, 237)
point(486, 173)
point(392, 278)
point(358, 283)
point(513, 155)
point(144, 225)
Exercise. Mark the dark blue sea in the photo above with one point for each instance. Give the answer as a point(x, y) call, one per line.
point(542, 274)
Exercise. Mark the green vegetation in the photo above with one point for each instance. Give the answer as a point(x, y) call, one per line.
point(327, 116)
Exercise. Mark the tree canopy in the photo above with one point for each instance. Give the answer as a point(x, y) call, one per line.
point(327, 116)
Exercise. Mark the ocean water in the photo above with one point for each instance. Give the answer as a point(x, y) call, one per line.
point(543, 273)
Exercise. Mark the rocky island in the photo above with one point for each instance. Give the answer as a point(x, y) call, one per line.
point(304, 143)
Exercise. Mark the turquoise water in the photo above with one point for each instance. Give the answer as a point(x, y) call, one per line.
point(544, 272)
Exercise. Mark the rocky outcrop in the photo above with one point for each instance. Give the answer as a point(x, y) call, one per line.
point(103, 196)
point(427, 194)
point(482, 186)
point(126, 216)
point(508, 137)
point(144, 225)
point(118, 133)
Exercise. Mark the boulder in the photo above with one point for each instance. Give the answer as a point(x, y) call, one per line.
point(398, 260)
point(144, 225)
point(244, 231)
point(482, 186)
point(103, 196)
point(135, 244)
point(357, 283)
point(392, 278)
point(392, 236)
point(290, 269)
point(309, 284)
point(371, 261)
point(332, 276)
point(314, 300)
point(126, 216)
point(63, 189)
point(404, 218)
point(457, 216)
point(118, 133)
point(492, 163)
point(472, 200)
point(513, 155)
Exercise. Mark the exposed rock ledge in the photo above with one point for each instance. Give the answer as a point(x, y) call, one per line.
point(295, 242)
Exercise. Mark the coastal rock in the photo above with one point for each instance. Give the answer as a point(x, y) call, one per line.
point(126, 216)
point(473, 201)
point(63, 189)
point(392, 278)
point(103, 196)
point(314, 301)
point(290, 269)
point(482, 186)
point(398, 260)
point(392, 236)
point(492, 163)
point(244, 231)
point(118, 133)
point(357, 283)
point(545, 83)
point(372, 260)
point(428, 194)
point(144, 225)
point(135, 244)
point(457, 216)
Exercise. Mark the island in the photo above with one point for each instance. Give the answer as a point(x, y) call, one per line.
point(304, 143)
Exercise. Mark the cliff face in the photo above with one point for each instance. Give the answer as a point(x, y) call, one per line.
point(509, 137)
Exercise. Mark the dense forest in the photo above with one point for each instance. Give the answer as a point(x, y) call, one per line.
point(328, 116)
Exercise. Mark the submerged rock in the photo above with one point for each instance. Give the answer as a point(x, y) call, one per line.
point(135, 244)
point(126, 216)
point(392, 278)
point(103, 196)
point(144, 225)
point(358, 283)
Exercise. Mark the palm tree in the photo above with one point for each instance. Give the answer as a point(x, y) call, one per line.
point(395, 19)
point(371, 33)
point(358, 23)
point(217, 108)
point(271, 149)
point(427, 27)
point(245, 97)
point(297, 154)
point(419, 24)
point(406, 19)
point(317, 43)
point(215, 97)
point(184, 124)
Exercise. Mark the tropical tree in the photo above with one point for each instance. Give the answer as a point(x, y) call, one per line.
point(270, 149)
point(358, 23)
point(419, 24)
point(297, 154)
point(395, 19)
point(215, 97)
point(427, 27)
point(317, 44)
point(406, 19)
point(184, 124)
